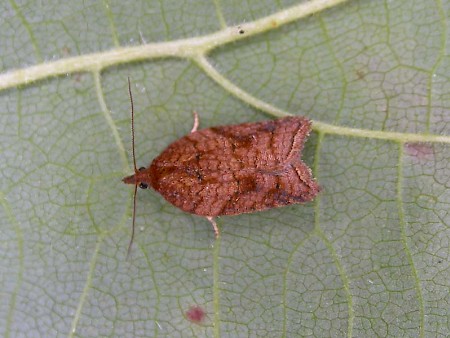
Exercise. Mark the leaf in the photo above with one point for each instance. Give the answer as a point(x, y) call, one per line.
point(369, 257)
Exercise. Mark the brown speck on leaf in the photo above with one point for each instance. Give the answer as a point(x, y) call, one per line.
point(77, 77)
point(66, 51)
point(360, 74)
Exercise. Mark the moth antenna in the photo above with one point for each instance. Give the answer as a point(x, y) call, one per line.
point(134, 219)
point(132, 125)
point(135, 167)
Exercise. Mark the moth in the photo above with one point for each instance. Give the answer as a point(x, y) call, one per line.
point(230, 170)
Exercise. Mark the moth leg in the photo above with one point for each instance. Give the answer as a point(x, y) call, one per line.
point(214, 224)
point(196, 121)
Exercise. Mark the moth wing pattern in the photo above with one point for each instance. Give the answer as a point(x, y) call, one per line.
point(229, 170)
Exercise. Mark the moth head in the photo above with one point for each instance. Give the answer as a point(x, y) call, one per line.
point(137, 179)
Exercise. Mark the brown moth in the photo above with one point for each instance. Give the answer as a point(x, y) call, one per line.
point(230, 170)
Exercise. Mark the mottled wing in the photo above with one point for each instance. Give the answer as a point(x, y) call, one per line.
point(236, 169)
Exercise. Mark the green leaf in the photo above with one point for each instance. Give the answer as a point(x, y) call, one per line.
point(369, 257)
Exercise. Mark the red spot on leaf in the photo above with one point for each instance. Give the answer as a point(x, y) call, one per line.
point(424, 152)
point(195, 314)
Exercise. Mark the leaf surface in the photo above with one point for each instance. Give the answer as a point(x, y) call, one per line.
point(369, 257)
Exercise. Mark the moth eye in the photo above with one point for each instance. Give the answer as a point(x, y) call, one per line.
point(141, 168)
point(143, 185)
